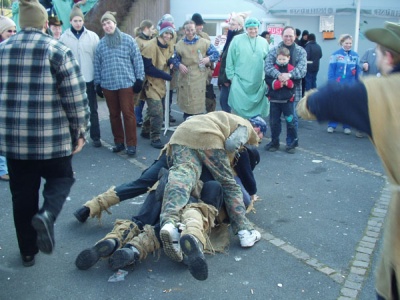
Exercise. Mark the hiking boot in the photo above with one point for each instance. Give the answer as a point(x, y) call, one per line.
point(28, 260)
point(118, 148)
point(131, 150)
point(157, 144)
point(82, 214)
point(197, 263)
point(330, 130)
point(124, 257)
point(272, 146)
point(248, 237)
point(96, 143)
point(170, 237)
point(44, 226)
point(347, 131)
point(291, 147)
point(145, 135)
point(89, 257)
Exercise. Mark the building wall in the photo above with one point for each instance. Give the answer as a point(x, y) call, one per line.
point(218, 11)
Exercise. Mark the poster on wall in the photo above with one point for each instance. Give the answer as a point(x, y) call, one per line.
point(275, 31)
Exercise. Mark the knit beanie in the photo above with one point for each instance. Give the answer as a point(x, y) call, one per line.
point(32, 14)
point(76, 12)
point(166, 17)
point(109, 15)
point(6, 23)
point(166, 27)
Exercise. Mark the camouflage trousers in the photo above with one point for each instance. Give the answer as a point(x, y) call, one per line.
point(185, 173)
point(153, 120)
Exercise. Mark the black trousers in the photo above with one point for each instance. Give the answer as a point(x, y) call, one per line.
point(25, 180)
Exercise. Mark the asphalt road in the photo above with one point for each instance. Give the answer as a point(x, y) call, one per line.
point(320, 214)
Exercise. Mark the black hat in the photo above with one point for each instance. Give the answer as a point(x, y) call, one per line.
point(198, 19)
point(298, 32)
point(305, 32)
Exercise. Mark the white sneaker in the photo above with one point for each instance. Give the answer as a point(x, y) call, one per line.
point(347, 131)
point(170, 237)
point(248, 238)
point(330, 129)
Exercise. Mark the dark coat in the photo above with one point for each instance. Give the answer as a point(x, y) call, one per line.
point(222, 75)
point(314, 54)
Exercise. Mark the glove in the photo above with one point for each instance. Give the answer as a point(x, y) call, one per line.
point(302, 109)
point(99, 91)
point(137, 87)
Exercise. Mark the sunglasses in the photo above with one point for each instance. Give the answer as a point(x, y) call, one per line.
point(11, 31)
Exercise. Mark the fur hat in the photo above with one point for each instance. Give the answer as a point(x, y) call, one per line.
point(388, 37)
point(109, 15)
point(252, 22)
point(166, 27)
point(32, 14)
point(6, 23)
point(239, 17)
point(198, 19)
point(55, 21)
point(76, 12)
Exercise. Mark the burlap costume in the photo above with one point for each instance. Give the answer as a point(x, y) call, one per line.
point(154, 88)
point(192, 86)
point(383, 110)
point(201, 140)
point(385, 126)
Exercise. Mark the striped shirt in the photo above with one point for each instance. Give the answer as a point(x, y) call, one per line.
point(43, 102)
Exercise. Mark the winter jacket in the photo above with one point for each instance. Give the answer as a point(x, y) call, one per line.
point(314, 54)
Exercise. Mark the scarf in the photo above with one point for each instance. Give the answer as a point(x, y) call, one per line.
point(113, 40)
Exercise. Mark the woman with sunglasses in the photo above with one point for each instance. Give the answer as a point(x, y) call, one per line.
point(7, 29)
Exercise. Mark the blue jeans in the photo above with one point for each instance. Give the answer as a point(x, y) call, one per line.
point(311, 80)
point(3, 166)
point(94, 116)
point(276, 110)
point(335, 124)
point(139, 112)
point(223, 98)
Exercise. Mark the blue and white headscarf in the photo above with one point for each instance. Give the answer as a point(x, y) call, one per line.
point(257, 121)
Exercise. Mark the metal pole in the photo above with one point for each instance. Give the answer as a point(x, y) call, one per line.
point(356, 36)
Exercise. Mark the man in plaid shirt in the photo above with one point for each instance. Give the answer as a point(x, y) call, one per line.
point(44, 116)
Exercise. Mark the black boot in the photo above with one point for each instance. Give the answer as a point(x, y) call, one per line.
point(89, 257)
point(197, 263)
point(44, 225)
point(82, 214)
point(124, 257)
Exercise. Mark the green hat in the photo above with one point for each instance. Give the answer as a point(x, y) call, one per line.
point(388, 37)
point(252, 22)
point(109, 15)
point(76, 12)
point(32, 14)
